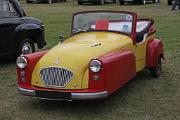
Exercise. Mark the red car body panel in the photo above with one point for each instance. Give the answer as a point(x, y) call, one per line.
point(117, 69)
point(154, 51)
point(32, 59)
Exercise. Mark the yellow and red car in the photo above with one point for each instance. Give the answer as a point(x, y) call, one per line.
point(105, 50)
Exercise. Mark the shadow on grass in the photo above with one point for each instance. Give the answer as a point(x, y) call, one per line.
point(8, 61)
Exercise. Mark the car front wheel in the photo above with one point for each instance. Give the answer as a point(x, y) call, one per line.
point(156, 71)
point(26, 47)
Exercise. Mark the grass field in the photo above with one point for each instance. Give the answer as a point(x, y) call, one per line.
point(143, 98)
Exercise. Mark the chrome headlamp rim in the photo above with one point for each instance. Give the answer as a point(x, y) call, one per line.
point(21, 62)
point(95, 69)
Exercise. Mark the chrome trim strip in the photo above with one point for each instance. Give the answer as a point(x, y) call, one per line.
point(88, 96)
point(26, 91)
point(74, 96)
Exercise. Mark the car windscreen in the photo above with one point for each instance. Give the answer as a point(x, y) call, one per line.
point(106, 21)
point(4, 8)
point(7, 9)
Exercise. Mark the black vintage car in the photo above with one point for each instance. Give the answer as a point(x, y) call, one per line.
point(18, 33)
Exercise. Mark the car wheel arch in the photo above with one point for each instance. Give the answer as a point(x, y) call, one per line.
point(117, 76)
point(32, 31)
point(154, 52)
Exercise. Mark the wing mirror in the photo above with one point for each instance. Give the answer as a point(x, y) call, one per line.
point(61, 38)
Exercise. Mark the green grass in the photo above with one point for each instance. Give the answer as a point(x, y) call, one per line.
point(144, 98)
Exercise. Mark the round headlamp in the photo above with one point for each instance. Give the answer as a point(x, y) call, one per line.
point(95, 66)
point(21, 62)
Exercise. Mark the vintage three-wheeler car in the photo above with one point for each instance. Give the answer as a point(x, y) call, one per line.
point(105, 50)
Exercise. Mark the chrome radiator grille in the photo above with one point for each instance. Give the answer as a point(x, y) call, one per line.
point(56, 77)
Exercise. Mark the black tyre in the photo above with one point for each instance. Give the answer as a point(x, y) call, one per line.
point(121, 2)
point(156, 71)
point(79, 3)
point(101, 2)
point(142, 2)
point(26, 47)
point(27, 1)
point(169, 2)
point(154, 1)
point(50, 1)
point(114, 1)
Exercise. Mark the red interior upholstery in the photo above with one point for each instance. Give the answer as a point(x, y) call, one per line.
point(102, 24)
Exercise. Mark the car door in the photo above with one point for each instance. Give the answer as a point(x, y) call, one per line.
point(141, 53)
point(141, 43)
point(9, 20)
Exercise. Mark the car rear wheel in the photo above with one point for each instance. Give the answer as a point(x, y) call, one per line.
point(156, 71)
point(26, 47)
point(121, 2)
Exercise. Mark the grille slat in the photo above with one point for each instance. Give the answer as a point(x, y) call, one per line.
point(56, 77)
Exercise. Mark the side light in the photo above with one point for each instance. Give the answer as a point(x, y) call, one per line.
point(96, 77)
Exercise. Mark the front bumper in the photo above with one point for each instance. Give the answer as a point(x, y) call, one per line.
point(56, 95)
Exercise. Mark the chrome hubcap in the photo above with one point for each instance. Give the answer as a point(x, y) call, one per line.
point(27, 48)
point(102, 2)
point(50, 1)
point(144, 1)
